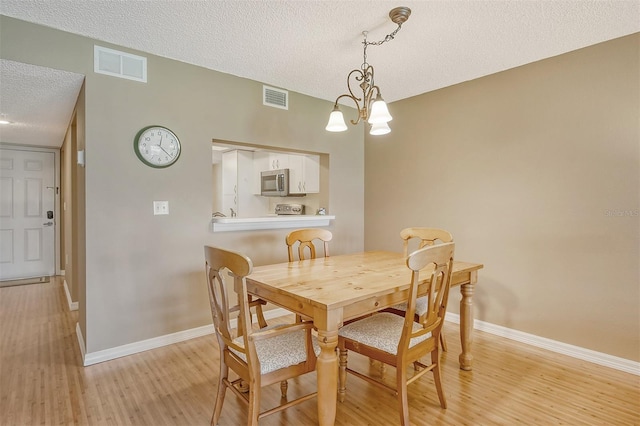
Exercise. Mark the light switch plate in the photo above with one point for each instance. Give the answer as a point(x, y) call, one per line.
point(160, 207)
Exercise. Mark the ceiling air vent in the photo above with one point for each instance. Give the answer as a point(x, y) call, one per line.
point(119, 64)
point(273, 97)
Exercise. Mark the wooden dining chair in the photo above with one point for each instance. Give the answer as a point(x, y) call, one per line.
point(398, 341)
point(426, 237)
point(260, 356)
point(305, 239)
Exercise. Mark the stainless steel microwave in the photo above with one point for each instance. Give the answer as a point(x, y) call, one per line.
point(274, 183)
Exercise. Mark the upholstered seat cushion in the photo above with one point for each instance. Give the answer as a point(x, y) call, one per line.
point(421, 305)
point(381, 331)
point(280, 351)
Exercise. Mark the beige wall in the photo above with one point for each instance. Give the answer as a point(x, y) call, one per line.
point(529, 169)
point(144, 273)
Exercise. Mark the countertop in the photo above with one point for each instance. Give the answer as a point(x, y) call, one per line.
point(223, 224)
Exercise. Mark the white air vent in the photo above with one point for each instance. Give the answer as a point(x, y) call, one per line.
point(119, 64)
point(273, 97)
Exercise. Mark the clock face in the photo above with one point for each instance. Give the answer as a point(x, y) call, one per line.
point(157, 146)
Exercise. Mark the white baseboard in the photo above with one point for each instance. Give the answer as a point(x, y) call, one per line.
point(73, 306)
point(61, 272)
point(157, 342)
point(529, 339)
point(589, 355)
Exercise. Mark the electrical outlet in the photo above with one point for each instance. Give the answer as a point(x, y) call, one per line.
point(160, 207)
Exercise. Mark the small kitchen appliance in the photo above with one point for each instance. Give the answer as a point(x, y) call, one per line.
point(285, 209)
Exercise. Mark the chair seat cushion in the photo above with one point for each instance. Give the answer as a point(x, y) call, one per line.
point(279, 351)
point(381, 331)
point(421, 305)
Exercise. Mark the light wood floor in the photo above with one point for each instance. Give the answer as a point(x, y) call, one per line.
point(42, 381)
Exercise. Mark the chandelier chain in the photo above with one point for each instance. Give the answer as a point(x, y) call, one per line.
point(387, 38)
point(366, 43)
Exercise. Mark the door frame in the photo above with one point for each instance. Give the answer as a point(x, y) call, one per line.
point(56, 205)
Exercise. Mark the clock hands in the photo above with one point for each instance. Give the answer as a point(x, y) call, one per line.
point(160, 146)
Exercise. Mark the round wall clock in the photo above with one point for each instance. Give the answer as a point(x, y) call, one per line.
point(157, 146)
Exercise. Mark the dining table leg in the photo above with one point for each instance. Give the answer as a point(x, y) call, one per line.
point(327, 373)
point(466, 325)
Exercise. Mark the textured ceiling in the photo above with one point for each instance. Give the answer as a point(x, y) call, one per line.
point(310, 46)
point(38, 101)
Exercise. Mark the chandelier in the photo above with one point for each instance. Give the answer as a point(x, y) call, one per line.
point(370, 109)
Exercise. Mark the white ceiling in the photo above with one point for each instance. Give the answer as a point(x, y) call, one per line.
point(38, 101)
point(310, 46)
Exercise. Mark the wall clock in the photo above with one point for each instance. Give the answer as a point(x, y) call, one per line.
point(157, 146)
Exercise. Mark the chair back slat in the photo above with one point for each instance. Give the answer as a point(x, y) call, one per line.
point(437, 261)
point(305, 238)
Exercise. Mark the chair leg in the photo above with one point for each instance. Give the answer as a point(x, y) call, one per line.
point(254, 405)
point(342, 374)
point(436, 377)
point(284, 385)
point(401, 388)
point(443, 342)
point(222, 388)
point(262, 323)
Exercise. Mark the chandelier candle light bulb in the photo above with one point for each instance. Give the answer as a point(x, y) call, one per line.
point(379, 129)
point(374, 112)
point(379, 111)
point(336, 121)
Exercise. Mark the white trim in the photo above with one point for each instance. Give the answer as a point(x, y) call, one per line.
point(144, 345)
point(589, 355)
point(80, 342)
point(157, 342)
point(223, 224)
point(584, 354)
point(73, 306)
point(62, 272)
point(57, 210)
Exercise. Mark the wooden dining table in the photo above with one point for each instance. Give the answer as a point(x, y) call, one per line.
point(332, 290)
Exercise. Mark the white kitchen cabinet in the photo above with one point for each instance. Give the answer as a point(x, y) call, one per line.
point(304, 174)
point(271, 160)
point(261, 163)
point(264, 161)
point(237, 185)
point(304, 170)
point(230, 173)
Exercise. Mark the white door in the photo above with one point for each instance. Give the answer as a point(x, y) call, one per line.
point(27, 230)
